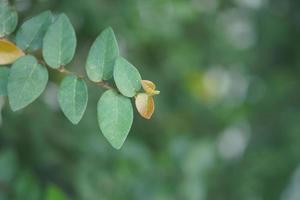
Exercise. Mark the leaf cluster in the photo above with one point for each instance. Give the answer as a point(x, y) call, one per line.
point(55, 37)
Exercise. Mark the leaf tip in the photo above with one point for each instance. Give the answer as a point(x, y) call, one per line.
point(109, 28)
point(156, 92)
point(74, 121)
point(15, 108)
point(117, 146)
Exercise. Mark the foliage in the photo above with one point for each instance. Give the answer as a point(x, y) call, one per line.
point(115, 116)
point(9, 52)
point(59, 43)
point(102, 56)
point(8, 19)
point(28, 78)
point(26, 81)
point(73, 98)
point(54, 193)
point(226, 126)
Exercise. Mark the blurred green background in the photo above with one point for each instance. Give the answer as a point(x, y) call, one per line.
point(226, 125)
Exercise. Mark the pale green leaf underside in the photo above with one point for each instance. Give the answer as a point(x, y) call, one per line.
point(115, 116)
point(4, 73)
point(127, 77)
point(73, 98)
point(26, 81)
point(59, 43)
point(54, 193)
point(8, 20)
point(31, 33)
point(101, 58)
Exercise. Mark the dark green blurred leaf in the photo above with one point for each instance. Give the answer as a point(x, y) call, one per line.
point(8, 166)
point(54, 193)
point(9, 52)
point(27, 187)
point(4, 73)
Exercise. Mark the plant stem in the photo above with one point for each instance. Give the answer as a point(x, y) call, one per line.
point(102, 84)
point(62, 69)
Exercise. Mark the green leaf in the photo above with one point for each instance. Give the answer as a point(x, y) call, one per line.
point(26, 81)
point(4, 73)
point(59, 43)
point(27, 187)
point(127, 77)
point(31, 33)
point(54, 193)
point(115, 116)
point(73, 98)
point(8, 20)
point(102, 56)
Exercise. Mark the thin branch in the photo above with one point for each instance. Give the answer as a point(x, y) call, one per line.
point(102, 84)
point(63, 70)
point(38, 55)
